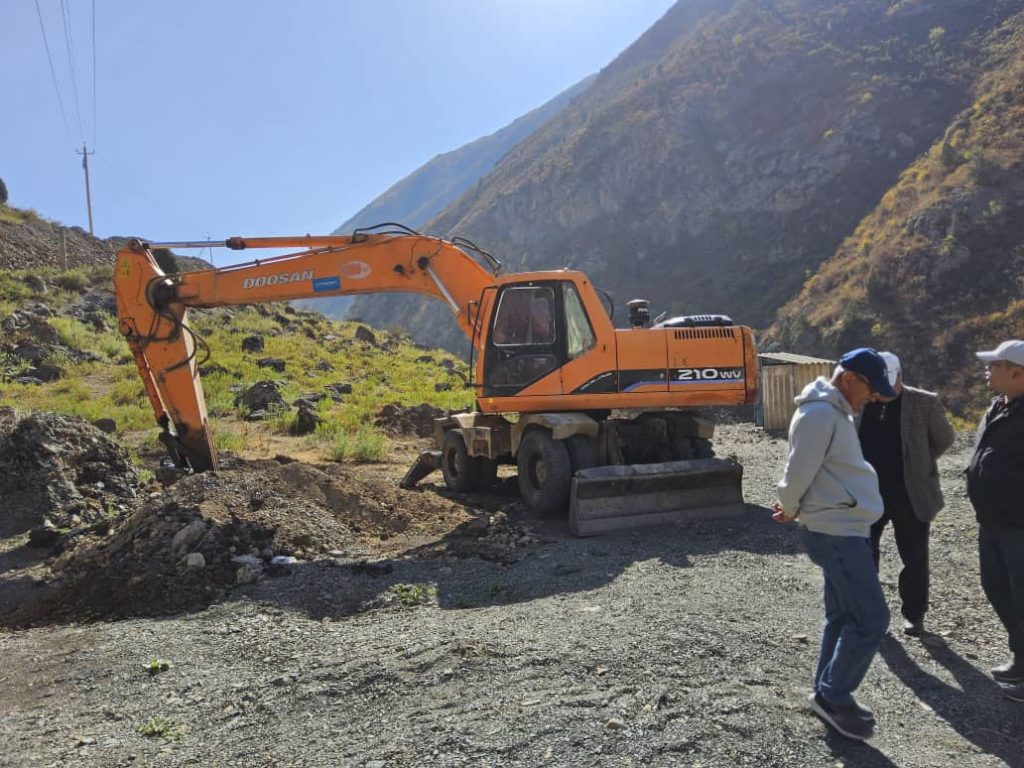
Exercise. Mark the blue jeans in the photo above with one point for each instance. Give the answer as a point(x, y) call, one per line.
point(856, 614)
point(1001, 552)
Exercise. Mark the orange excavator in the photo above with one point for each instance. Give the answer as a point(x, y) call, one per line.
point(598, 420)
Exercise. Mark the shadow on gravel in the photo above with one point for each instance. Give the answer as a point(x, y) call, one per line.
point(856, 754)
point(562, 565)
point(975, 709)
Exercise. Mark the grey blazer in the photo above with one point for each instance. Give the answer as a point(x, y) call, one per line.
point(927, 434)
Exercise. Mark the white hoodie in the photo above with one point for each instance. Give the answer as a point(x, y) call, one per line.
point(827, 481)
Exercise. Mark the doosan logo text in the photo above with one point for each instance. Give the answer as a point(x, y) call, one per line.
point(279, 279)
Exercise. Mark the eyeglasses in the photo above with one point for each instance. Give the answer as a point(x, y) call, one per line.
point(864, 380)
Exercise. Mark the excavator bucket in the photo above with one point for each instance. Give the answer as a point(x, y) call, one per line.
point(617, 497)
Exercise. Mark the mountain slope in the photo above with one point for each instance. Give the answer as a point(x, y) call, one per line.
point(934, 272)
point(426, 191)
point(726, 155)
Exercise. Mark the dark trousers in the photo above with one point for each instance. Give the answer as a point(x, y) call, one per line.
point(1001, 556)
point(912, 544)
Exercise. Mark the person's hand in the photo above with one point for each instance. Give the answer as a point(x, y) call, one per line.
point(779, 514)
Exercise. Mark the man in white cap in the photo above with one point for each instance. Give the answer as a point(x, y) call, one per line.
point(902, 438)
point(995, 485)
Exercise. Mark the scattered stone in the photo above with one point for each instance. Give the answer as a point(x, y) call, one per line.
point(108, 426)
point(615, 724)
point(261, 396)
point(366, 335)
point(416, 420)
point(195, 560)
point(307, 420)
point(212, 368)
point(187, 538)
point(252, 344)
point(167, 474)
point(274, 363)
point(323, 365)
point(442, 386)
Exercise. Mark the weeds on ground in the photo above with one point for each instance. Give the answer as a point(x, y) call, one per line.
point(162, 727)
point(156, 666)
point(411, 595)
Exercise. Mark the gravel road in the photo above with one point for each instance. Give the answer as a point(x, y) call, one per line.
point(689, 646)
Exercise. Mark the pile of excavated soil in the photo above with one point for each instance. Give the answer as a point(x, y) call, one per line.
point(60, 472)
point(188, 544)
point(418, 420)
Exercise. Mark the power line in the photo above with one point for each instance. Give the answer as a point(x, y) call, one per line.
point(53, 74)
point(66, 16)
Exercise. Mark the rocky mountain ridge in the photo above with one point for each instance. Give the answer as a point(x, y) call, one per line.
point(727, 155)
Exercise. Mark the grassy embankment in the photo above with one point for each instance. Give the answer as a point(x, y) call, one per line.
point(112, 387)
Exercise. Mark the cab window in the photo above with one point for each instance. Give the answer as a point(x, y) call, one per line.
point(579, 335)
point(525, 317)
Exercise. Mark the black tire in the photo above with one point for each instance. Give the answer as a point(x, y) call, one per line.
point(460, 471)
point(702, 448)
point(545, 472)
point(582, 454)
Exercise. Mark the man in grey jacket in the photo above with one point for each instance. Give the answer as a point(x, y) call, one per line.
point(902, 439)
point(833, 493)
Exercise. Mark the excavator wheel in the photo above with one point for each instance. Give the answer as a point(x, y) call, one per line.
point(461, 473)
point(545, 472)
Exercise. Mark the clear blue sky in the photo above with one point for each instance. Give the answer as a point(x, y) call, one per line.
point(227, 117)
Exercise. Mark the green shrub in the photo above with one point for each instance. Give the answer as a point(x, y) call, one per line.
point(3, 193)
point(364, 445)
point(411, 595)
point(73, 280)
point(162, 727)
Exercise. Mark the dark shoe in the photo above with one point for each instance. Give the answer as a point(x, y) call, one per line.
point(1010, 672)
point(913, 628)
point(843, 718)
point(1014, 692)
point(863, 712)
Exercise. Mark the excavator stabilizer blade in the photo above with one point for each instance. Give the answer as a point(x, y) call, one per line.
point(615, 498)
point(427, 462)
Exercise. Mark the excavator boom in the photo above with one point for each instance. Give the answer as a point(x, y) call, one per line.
point(153, 306)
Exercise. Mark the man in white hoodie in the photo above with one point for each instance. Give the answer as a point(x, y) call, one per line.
point(833, 493)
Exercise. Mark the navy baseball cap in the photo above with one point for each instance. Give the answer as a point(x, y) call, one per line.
point(871, 365)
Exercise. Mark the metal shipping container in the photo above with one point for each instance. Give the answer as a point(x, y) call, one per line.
point(783, 377)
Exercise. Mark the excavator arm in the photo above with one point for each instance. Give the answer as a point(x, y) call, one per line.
point(153, 306)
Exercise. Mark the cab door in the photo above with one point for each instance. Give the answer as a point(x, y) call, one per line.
point(525, 343)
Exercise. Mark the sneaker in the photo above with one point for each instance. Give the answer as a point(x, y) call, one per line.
point(864, 712)
point(913, 628)
point(843, 718)
point(1010, 672)
point(1014, 692)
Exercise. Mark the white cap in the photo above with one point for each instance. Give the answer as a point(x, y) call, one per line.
point(892, 366)
point(1011, 351)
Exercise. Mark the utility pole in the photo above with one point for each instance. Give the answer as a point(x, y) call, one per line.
point(88, 195)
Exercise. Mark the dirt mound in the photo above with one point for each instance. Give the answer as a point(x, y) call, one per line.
point(398, 420)
point(60, 472)
point(191, 542)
